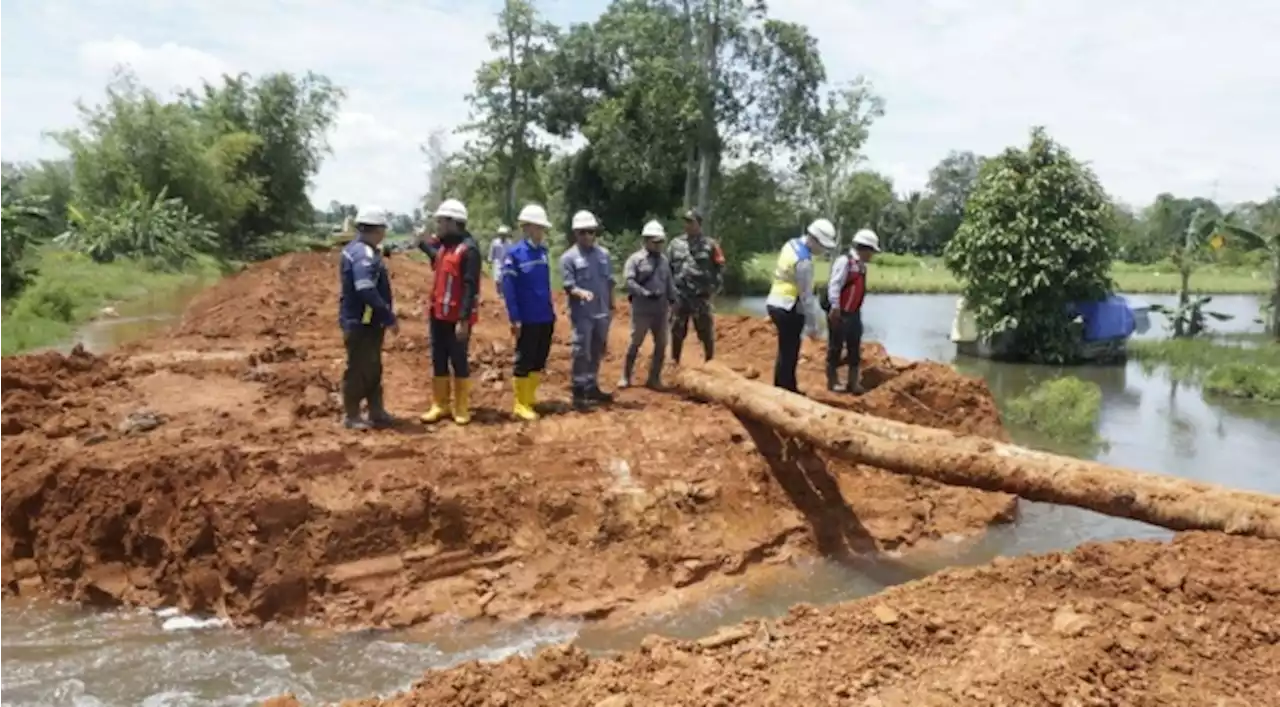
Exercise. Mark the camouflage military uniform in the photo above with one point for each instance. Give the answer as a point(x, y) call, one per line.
point(697, 266)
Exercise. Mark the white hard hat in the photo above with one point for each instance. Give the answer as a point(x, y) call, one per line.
point(371, 216)
point(868, 238)
point(534, 214)
point(452, 209)
point(824, 232)
point(654, 229)
point(585, 221)
point(503, 230)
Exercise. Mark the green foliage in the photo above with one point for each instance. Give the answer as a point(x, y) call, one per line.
point(162, 229)
point(1242, 380)
point(72, 288)
point(24, 218)
point(1246, 369)
point(1063, 409)
point(1189, 317)
point(1033, 240)
point(238, 156)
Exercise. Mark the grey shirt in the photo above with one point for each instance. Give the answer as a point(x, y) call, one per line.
point(589, 270)
point(649, 273)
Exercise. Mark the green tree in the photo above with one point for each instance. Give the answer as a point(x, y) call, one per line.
point(507, 103)
point(1034, 239)
point(832, 147)
point(865, 201)
point(22, 221)
point(1258, 225)
point(951, 182)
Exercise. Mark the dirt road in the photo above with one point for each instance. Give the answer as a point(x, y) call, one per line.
point(206, 470)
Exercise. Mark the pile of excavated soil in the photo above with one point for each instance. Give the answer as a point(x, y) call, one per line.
point(1194, 622)
point(206, 469)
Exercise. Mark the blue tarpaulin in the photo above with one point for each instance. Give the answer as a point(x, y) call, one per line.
point(1109, 319)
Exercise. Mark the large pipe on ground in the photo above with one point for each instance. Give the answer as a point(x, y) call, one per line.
point(984, 464)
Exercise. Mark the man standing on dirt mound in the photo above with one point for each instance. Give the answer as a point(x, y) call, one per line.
point(651, 291)
point(697, 265)
point(365, 312)
point(497, 254)
point(526, 286)
point(588, 280)
point(791, 302)
point(846, 290)
point(452, 312)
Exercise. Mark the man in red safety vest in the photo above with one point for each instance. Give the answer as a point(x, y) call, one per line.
point(846, 291)
point(452, 312)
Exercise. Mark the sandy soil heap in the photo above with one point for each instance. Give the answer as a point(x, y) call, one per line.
point(206, 469)
point(1195, 622)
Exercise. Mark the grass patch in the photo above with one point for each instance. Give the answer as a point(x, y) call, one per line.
point(71, 289)
point(1235, 368)
point(1061, 409)
point(910, 274)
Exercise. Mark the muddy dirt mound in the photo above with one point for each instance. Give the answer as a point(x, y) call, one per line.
point(1194, 622)
point(934, 395)
point(213, 475)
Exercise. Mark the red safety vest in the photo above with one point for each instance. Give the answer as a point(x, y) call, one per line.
point(855, 286)
point(446, 295)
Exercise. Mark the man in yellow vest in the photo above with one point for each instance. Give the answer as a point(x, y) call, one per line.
point(791, 303)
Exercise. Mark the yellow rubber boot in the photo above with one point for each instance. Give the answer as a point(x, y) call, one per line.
point(523, 410)
point(531, 392)
point(462, 400)
point(440, 387)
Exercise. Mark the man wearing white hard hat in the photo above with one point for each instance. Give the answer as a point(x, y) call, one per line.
point(365, 312)
point(846, 290)
point(497, 253)
point(791, 302)
point(652, 291)
point(452, 311)
point(526, 285)
point(587, 273)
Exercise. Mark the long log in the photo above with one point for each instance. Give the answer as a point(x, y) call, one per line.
point(905, 432)
point(957, 460)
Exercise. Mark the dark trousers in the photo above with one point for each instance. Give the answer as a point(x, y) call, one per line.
point(790, 326)
point(846, 334)
point(699, 310)
point(362, 380)
point(532, 348)
point(447, 350)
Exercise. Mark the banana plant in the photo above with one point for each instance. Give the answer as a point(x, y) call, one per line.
point(1189, 318)
point(1266, 236)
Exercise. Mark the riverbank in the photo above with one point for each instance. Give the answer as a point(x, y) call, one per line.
point(1248, 369)
point(71, 290)
point(1191, 622)
point(205, 470)
point(909, 274)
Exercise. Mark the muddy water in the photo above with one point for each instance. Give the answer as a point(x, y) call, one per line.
point(57, 655)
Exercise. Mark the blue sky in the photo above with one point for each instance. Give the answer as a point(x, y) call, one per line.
point(1159, 96)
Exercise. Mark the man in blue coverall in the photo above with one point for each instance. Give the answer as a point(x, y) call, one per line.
point(526, 285)
point(587, 272)
point(365, 312)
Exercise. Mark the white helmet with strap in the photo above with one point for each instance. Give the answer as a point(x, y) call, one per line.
point(452, 209)
point(535, 215)
point(654, 229)
point(585, 221)
point(824, 232)
point(868, 238)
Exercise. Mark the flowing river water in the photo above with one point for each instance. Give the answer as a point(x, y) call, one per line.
point(62, 655)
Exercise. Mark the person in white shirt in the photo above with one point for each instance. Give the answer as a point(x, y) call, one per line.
point(791, 303)
point(846, 291)
point(498, 254)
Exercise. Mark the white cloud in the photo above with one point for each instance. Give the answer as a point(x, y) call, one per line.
point(1158, 97)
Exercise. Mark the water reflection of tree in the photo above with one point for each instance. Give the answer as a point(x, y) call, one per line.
point(1182, 431)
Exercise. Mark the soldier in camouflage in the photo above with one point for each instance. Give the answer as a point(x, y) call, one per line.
point(697, 266)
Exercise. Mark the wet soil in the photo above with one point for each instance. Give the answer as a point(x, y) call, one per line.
point(1192, 622)
point(205, 469)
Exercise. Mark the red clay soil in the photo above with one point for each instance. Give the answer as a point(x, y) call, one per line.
point(1194, 622)
point(206, 470)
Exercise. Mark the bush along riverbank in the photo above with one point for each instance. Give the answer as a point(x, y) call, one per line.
point(910, 274)
point(1063, 411)
point(71, 289)
point(1236, 369)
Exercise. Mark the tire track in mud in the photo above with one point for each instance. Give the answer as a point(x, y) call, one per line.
point(205, 469)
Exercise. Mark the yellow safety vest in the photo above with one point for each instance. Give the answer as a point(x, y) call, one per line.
point(784, 273)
